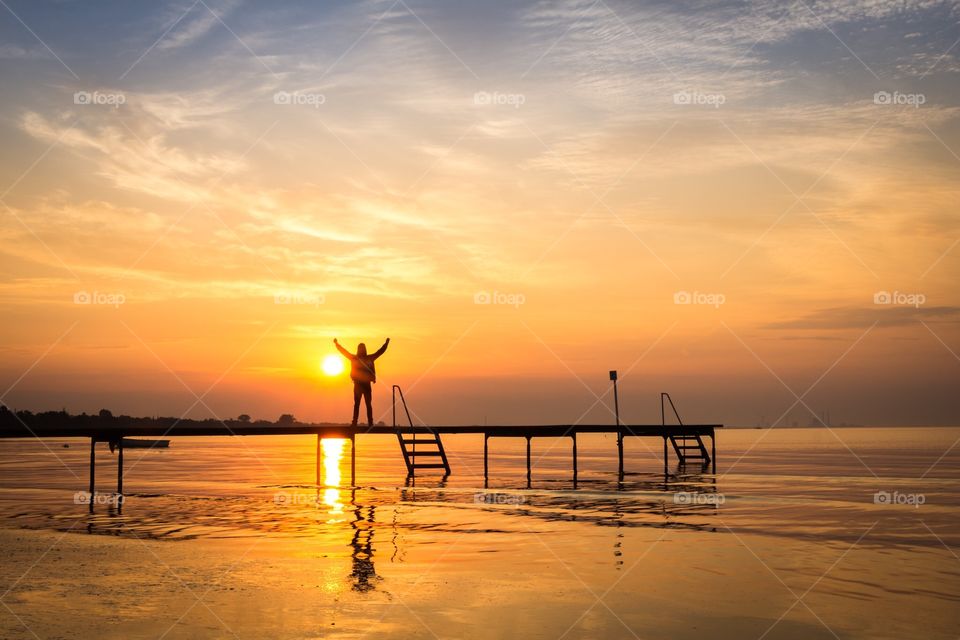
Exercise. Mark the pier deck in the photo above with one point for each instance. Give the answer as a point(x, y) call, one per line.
point(107, 432)
point(685, 439)
point(115, 434)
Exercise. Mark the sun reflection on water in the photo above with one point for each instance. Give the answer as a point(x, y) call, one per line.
point(332, 454)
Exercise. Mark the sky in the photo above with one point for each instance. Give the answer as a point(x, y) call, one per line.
point(752, 206)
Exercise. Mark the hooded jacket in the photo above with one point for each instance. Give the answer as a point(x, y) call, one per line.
point(362, 368)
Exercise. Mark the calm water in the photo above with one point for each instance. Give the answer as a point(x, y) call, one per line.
point(800, 533)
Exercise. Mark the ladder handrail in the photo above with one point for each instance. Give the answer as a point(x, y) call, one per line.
point(663, 417)
point(395, 389)
point(409, 457)
point(680, 451)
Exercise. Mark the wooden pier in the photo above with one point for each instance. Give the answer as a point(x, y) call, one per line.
point(686, 440)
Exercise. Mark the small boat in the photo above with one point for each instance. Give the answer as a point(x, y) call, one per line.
point(129, 443)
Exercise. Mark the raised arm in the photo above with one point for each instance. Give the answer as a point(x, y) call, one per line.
point(379, 352)
point(346, 354)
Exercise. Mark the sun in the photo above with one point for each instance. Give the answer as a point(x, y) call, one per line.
point(332, 365)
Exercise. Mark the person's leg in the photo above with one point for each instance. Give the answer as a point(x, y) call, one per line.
point(357, 391)
point(368, 396)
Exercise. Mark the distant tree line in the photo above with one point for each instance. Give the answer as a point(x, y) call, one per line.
point(105, 418)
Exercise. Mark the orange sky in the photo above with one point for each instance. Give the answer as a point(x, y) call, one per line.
point(255, 184)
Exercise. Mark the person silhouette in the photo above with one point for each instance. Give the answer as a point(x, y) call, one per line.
point(363, 373)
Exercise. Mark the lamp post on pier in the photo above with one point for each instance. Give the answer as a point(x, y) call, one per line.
point(616, 410)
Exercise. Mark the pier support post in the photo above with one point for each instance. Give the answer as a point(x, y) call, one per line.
point(528, 462)
point(485, 466)
point(319, 455)
point(665, 456)
point(616, 409)
point(93, 463)
point(120, 466)
point(353, 460)
point(713, 450)
point(574, 437)
point(620, 453)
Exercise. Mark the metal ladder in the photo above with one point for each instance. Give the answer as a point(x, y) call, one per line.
point(687, 447)
point(409, 442)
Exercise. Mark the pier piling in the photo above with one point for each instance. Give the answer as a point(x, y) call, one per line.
point(93, 466)
point(574, 438)
point(120, 466)
point(485, 464)
point(620, 454)
point(665, 455)
point(353, 460)
point(528, 462)
point(616, 412)
point(319, 456)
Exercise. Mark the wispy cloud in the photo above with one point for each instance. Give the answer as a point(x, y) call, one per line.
point(861, 317)
point(536, 147)
point(200, 18)
point(9, 51)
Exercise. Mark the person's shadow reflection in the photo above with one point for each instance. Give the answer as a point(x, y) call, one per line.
point(364, 574)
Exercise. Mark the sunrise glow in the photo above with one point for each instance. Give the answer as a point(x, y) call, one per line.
point(548, 319)
point(704, 192)
point(332, 365)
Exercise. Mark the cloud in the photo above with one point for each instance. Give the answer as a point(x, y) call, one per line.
point(186, 110)
point(862, 317)
point(11, 51)
point(615, 52)
point(147, 164)
point(194, 24)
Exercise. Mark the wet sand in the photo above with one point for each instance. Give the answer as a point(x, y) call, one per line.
point(785, 556)
point(644, 583)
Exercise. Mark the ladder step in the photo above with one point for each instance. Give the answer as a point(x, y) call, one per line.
point(410, 437)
